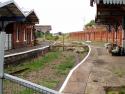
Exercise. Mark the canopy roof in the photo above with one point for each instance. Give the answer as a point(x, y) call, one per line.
point(109, 11)
point(107, 2)
point(10, 11)
point(31, 17)
point(106, 13)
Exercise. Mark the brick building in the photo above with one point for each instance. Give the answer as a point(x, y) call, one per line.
point(19, 33)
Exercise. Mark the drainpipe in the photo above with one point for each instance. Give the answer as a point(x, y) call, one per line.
point(2, 38)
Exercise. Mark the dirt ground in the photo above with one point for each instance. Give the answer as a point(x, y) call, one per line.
point(98, 71)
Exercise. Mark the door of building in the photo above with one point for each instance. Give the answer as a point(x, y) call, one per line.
point(8, 41)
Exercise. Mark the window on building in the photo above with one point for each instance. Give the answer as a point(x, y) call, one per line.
point(17, 35)
point(31, 35)
point(24, 35)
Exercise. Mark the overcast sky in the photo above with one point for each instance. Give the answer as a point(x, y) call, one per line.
point(63, 15)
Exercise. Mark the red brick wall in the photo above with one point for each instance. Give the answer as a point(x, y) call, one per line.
point(97, 36)
point(21, 42)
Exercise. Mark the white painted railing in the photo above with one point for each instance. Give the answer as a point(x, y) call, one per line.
point(29, 85)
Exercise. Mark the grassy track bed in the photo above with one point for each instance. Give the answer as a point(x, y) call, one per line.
point(49, 70)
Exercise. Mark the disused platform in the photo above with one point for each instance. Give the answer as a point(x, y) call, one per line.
point(17, 55)
point(98, 71)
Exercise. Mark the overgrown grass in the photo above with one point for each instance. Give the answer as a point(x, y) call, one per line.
point(65, 65)
point(119, 72)
point(113, 92)
point(39, 63)
point(61, 70)
point(35, 64)
point(50, 83)
point(60, 62)
point(119, 90)
point(27, 91)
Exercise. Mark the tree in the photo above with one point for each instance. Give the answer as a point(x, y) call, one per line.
point(91, 23)
point(39, 34)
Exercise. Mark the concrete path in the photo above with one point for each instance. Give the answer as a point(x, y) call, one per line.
point(97, 72)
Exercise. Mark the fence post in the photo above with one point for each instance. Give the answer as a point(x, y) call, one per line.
point(2, 34)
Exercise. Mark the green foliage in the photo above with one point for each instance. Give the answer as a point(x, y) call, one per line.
point(50, 83)
point(56, 38)
point(91, 23)
point(36, 64)
point(119, 90)
point(26, 91)
point(65, 66)
point(112, 92)
point(60, 62)
point(122, 90)
point(119, 72)
point(49, 36)
point(39, 34)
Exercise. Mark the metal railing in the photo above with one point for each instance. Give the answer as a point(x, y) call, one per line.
point(15, 85)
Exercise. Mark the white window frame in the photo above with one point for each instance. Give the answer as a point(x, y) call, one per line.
point(24, 35)
point(31, 35)
point(17, 35)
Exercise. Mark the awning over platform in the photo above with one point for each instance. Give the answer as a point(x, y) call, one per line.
point(9, 11)
point(107, 2)
point(112, 1)
point(31, 17)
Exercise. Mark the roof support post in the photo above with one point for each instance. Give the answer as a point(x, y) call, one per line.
point(2, 36)
point(123, 32)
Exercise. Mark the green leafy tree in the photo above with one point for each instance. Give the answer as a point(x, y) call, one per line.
point(39, 34)
point(91, 23)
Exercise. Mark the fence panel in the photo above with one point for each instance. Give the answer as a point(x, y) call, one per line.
point(15, 85)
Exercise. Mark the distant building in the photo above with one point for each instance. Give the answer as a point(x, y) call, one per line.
point(43, 28)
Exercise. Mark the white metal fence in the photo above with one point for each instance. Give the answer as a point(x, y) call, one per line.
point(15, 85)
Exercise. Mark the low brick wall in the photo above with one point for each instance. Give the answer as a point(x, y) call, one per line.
point(104, 36)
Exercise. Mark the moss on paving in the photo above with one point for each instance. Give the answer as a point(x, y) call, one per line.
point(118, 71)
point(120, 91)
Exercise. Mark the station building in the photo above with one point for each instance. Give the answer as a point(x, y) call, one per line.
point(18, 25)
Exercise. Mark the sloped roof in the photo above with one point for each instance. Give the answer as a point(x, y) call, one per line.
point(31, 16)
point(107, 2)
point(10, 10)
